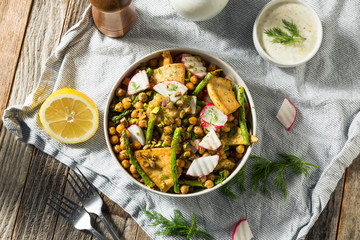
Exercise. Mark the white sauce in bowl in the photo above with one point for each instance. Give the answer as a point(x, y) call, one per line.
point(307, 26)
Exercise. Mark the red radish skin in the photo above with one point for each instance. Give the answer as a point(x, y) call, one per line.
point(189, 60)
point(203, 166)
point(140, 80)
point(287, 114)
point(242, 231)
point(136, 134)
point(165, 89)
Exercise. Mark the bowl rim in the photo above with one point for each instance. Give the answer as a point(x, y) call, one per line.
point(270, 59)
point(230, 72)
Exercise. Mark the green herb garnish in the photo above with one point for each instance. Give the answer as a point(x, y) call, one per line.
point(176, 226)
point(149, 72)
point(135, 86)
point(284, 38)
point(222, 176)
point(262, 169)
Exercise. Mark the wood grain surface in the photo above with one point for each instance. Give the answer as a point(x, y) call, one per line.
point(29, 32)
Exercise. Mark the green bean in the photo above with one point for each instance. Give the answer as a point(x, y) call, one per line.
point(116, 119)
point(202, 84)
point(242, 115)
point(192, 183)
point(174, 144)
point(130, 155)
point(150, 130)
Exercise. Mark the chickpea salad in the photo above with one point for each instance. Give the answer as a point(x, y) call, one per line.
point(178, 125)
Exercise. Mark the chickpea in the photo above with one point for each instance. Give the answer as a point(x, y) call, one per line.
point(168, 140)
point(119, 107)
point(133, 169)
point(211, 176)
point(206, 154)
point(120, 128)
point(128, 133)
point(240, 149)
point(114, 139)
point(226, 128)
point(209, 184)
point(120, 92)
point(187, 164)
point(143, 97)
point(116, 148)
point(203, 179)
point(139, 105)
point(136, 175)
point(238, 155)
point(126, 81)
point(184, 189)
point(180, 163)
point(211, 67)
point(194, 79)
point(193, 120)
point(143, 123)
point(124, 100)
point(168, 121)
point(127, 105)
point(153, 63)
point(198, 130)
point(177, 122)
point(135, 113)
point(235, 122)
point(168, 129)
point(201, 150)
point(136, 145)
point(122, 145)
point(122, 155)
point(190, 86)
point(112, 131)
point(125, 163)
point(230, 118)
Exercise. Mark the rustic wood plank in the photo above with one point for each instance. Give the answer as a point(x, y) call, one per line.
point(15, 158)
point(349, 222)
point(13, 20)
point(325, 227)
point(141, 235)
point(36, 220)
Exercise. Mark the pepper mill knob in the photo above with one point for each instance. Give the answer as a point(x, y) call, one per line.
point(113, 18)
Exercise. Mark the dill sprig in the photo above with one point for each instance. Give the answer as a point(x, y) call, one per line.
point(284, 38)
point(176, 226)
point(261, 171)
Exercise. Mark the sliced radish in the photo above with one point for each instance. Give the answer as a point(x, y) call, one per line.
point(193, 65)
point(287, 114)
point(139, 82)
point(206, 96)
point(210, 141)
point(242, 231)
point(190, 101)
point(172, 89)
point(212, 118)
point(203, 166)
point(195, 148)
point(136, 134)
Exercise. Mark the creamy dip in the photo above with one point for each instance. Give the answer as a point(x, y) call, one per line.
point(305, 21)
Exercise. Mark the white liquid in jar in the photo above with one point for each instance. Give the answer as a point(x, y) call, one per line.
point(305, 22)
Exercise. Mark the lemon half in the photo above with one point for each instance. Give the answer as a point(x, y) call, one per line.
point(69, 116)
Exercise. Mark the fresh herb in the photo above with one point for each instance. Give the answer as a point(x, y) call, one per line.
point(136, 99)
point(222, 176)
point(159, 71)
point(176, 226)
point(173, 87)
point(143, 64)
point(149, 72)
point(284, 38)
point(262, 169)
point(155, 110)
point(212, 115)
point(232, 131)
point(134, 86)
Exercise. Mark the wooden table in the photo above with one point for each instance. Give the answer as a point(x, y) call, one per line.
point(29, 31)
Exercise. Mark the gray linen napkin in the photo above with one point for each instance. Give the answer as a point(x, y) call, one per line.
point(325, 92)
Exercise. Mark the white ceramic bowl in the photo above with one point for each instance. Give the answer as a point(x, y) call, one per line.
point(270, 59)
point(229, 71)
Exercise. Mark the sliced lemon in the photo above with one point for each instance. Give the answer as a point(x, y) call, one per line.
point(69, 116)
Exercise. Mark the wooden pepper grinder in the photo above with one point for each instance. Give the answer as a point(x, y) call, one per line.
point(113, 18)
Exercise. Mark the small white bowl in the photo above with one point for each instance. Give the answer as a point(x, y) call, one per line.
point(230, 72)
point(260, 48)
